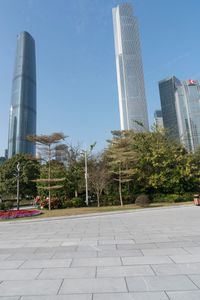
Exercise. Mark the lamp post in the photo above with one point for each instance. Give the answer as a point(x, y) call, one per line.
point(18, 169)
point(86, 153)
point(86, 179)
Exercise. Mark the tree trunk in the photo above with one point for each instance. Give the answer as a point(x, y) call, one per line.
point(98, 200)
point(76, 194)
point(120, 187)
point(120, 192)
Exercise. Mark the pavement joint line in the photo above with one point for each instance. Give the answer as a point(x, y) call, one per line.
point(95, 276)
point(126, 284)
point(188, 276)
point(39, 273)
point(166, 294)
point(60, 287)
point(153, 270)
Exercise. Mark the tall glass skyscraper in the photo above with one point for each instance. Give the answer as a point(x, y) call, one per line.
point(168, 88)
point(180, 102)
point(22, 120)
point(130, 78)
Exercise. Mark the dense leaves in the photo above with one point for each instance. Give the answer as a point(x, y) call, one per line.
point(133, 164)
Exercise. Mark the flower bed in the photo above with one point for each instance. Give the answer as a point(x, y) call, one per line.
point(12, 214)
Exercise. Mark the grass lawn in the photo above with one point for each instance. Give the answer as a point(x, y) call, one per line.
point(89, 210)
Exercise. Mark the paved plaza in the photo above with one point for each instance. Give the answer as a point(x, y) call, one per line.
point(149, 254)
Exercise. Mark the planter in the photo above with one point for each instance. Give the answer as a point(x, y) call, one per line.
point(12, 214)
point(197, 199)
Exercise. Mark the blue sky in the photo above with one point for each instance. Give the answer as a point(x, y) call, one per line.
point(76, 75)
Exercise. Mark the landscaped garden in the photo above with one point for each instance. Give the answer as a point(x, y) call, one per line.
point(135, 170)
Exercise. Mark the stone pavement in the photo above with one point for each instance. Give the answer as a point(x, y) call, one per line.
point(151, 254)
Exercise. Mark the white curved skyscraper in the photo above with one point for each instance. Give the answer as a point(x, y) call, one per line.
point(130, 78)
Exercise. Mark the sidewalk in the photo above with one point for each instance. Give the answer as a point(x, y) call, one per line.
point(149, 254)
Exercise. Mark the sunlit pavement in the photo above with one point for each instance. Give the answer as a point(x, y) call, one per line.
point(151, 254)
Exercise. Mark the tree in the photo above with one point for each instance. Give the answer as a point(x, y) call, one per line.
point(98, 175)
point(29, 170)
point(121, 158)
point(47, 146)
point(74, 168)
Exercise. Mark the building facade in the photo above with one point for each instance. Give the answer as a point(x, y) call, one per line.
point(158, 119)
point(130, 78)
point(22, 121)
point(180, 102)
point(167, 89)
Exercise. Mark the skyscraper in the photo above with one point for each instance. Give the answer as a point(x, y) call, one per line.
point(22, 120)
point(158, 119)
point(183, 99)
point(167, 89)
point(130, 79)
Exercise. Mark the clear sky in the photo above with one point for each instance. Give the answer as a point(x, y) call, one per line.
point(76, 75)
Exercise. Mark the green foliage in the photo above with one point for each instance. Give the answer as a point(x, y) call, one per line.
point(152, 163)
point(7, 205)
point(172, 198)
point(142, 200)
point(58, 171)
point(29, 170)
point(77, 202)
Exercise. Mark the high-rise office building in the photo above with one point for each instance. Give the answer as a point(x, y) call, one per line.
point(130, 78)
point(185, 108)
point(158, 119)
point(22, 120)
point(167, 89)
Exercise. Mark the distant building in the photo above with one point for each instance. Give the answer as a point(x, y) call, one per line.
point(184, 99)
point(22, 120)
point(158, 119)
point(6, 153)
point(130, 78)
point(168, 88)
point(2, 160)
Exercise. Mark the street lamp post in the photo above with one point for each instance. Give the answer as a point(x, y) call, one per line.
point(18, 169)
point(86, 153)
point(86, 179)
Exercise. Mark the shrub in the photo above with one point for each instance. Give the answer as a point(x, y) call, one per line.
point(44, 202)
point(6, 205)
point(172, 198)
point(142, 200)
point(2, 206)
point(66, 203)
point(77, 202)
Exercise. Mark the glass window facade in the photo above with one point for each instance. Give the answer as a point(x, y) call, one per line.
point(167, 89)
point(22, 121)
point(131, 91)
point(180, 102)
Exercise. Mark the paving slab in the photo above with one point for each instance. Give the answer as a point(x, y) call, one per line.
point(160, 283)
point(58, 297)
point(132, 296)
point(186, 295)
point(97, 285)
point(177, 269)
point(61, 273)
point(123, 271)
point(10, 298)
point(29, 287)
point(19, 274)
point(99, 261)
point(146, 254)
point(146, 260)
point(51, 263)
